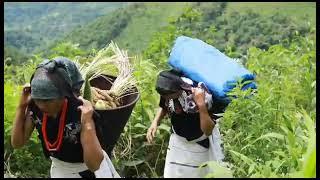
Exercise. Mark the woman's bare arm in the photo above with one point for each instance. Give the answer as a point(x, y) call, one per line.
point(206, 123)
point(159, 116)
point(22, 125)
point(92, 150)
point(151, 133)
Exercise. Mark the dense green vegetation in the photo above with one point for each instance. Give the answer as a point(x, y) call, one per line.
point(271, 134)
point(13, 56)
point(299, 12)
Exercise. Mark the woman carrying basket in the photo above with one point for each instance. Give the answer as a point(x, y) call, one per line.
point(64, 120)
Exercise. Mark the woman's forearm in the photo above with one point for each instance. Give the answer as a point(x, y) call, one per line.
point(206, 122)
point(159, 116)
point(22, 125)
point(92, 151)
point(18, 130)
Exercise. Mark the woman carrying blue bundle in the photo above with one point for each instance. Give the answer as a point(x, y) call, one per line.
point(195, 135)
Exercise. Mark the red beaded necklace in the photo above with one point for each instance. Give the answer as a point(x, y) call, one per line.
point(57, 144)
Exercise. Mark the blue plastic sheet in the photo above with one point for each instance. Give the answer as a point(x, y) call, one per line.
point(202, 62)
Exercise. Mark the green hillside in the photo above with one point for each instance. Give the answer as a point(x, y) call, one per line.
point(31, 26)
point(300, 12)
point(230, 28)
point(232, 33)
point(138, 32)
point(131, 27)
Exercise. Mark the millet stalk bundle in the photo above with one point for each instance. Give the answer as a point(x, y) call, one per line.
point(109, 61)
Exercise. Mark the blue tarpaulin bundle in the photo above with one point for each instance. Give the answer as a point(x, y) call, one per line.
point(202, 62)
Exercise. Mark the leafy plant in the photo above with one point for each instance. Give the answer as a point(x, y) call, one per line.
point(267, 131)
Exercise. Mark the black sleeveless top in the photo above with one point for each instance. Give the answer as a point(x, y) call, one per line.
point(187, 125)
point(71, 148)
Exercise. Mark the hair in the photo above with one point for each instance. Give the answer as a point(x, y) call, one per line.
point(168, 82)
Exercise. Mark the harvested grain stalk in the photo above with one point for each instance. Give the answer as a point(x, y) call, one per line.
point(109, 61)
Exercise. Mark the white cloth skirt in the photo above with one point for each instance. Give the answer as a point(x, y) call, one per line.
point(184, 157)
point(61, 169)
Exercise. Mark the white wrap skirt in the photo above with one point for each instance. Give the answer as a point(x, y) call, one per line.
point(61, 169)
point(184, 157)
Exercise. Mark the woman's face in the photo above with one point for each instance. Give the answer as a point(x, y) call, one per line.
point(51, 106)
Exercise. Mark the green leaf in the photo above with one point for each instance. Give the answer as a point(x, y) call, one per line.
point(133, 163)
point(164, 127)
point(271, 135)
point(280, 153)
point(243, 157)
point(266, 136)
point(150, 113)
point(139, 125)
point(87, 90)
point(278, 165)
point(218, 170)
point(139, 135)
point(251, 168)
point(309, 164)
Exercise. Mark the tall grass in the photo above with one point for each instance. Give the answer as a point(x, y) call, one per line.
point(272, 133)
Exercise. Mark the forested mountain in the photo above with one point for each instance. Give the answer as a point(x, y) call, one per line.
point(29, 26)
point(131, 27)
point(233, 27)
